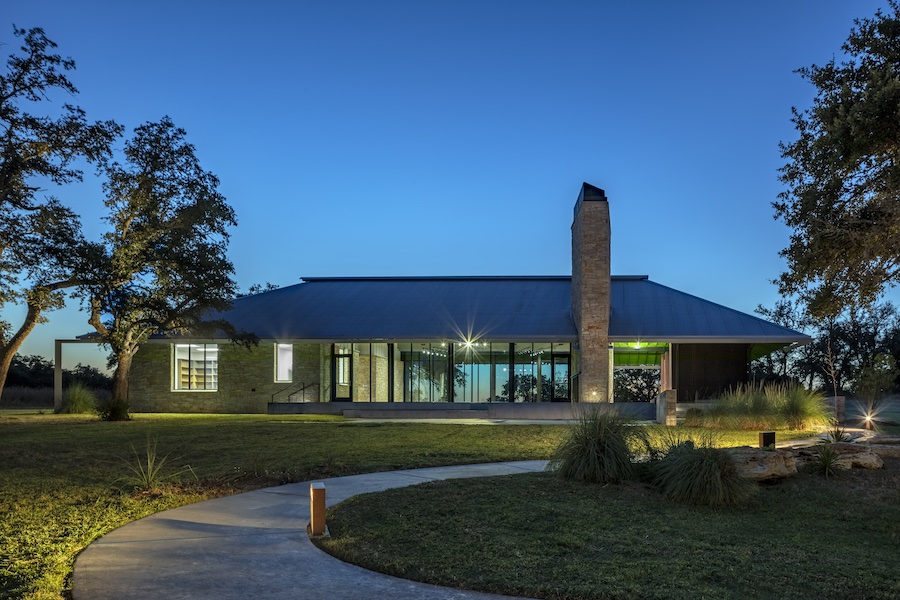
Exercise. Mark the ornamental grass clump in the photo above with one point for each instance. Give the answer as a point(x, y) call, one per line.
point(702, 475)
point(804, 409)
point(774, 406)
point(599, 448)
point(78, 400)
point(742, 407)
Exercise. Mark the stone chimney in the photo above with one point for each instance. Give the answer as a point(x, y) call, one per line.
point(591, 293)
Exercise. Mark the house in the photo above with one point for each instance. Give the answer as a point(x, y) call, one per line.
point(527, 346)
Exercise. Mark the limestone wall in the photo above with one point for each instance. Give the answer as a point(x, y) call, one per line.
point(246, 379)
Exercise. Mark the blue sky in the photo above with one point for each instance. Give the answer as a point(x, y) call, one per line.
point(427, 138)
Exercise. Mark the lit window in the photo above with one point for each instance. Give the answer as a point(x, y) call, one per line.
point(343, 370)
point(284, 362)
point(196, 367)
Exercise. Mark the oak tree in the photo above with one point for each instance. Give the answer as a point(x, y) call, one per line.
point(162, 267)
point(39, 237)
point(843, 174)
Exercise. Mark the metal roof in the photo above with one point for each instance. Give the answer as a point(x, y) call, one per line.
point(493, 308)
point(645, 310)
point(411, 308)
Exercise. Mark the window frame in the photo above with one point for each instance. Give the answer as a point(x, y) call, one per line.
point(176, 367)
point(290, 370)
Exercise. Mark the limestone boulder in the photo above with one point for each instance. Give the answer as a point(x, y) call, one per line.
point(885, 450)
point(857, 456)
point(763, 465)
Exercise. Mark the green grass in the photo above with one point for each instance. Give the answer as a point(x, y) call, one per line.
point(538, 536)
point(64, 479)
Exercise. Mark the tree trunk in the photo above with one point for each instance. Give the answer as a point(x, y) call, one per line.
point(118, 404)
point(8, 350)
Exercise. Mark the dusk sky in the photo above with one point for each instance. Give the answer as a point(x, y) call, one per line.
point(425, 138)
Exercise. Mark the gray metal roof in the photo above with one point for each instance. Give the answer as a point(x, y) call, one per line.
point(494, 308)
point(645, 310)
point(411, 308)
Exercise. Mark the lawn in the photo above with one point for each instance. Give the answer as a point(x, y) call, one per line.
point(64, 480)
point(538, 536)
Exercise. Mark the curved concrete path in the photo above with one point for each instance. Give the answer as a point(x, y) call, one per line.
point(254, 545)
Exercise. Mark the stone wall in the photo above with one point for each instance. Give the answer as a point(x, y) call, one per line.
point(591, 293)
point(246, 379)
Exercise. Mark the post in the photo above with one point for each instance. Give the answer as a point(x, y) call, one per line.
point(766, 439)
point(667, 408)
point(317, 509)
point(57, 376)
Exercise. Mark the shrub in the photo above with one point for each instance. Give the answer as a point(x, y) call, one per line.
point(110, 409)
point(662, 440)
point(702, 475)
point(598, 449)
point(78, 400)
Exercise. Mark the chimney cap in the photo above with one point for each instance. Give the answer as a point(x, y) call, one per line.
point(590, 192)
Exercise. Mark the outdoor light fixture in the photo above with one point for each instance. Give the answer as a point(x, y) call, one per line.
point(637, 345)
point(868, 422)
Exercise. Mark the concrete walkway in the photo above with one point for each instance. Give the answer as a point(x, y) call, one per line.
point(254, 545)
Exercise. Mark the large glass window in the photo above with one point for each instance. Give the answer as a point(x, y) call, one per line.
point(284, 362)
point(196, 367)
point(425, 372)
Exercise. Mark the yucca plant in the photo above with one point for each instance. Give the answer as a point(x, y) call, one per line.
point(702, 475)
point(148, 469)
point(599, 449)
point(825, 461)
point(836, 433)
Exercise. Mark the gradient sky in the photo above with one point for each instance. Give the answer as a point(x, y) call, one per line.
point(427, 138)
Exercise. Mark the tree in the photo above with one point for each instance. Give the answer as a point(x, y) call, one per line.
point(635, 384)
point(778, 365)
point(162, 267)
point(39, 237)
point(843, 177)
point(875, 381)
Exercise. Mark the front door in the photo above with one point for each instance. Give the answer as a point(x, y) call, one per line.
point(342, 373)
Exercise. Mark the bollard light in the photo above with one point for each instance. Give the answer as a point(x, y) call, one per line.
point(766, 439)
point(317, 509)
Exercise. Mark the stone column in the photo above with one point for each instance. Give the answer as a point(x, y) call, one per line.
point(591, 292)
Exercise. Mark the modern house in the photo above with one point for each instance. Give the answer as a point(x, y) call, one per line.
point(499, 343)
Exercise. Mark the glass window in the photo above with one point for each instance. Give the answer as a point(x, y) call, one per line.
point(284, 362)
point(343, 370)
point(196, 367)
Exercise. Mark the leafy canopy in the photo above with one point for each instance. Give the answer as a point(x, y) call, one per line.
point(842, 174)
point(162, 266)
point(39, 237)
